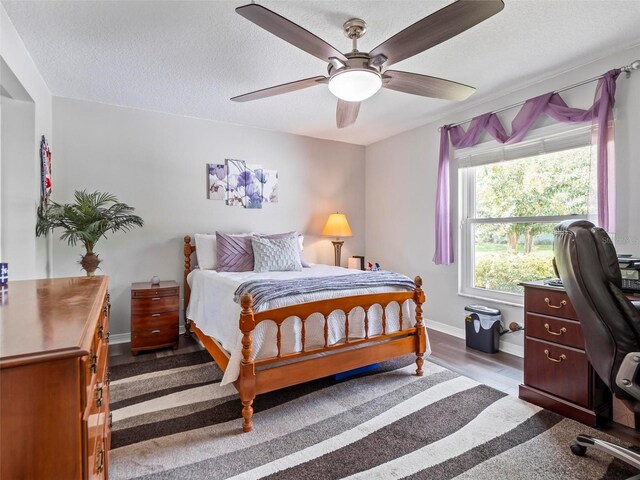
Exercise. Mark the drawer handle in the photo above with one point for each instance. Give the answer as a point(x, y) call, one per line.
point(155, 298)
point(99, 396)
point(155, 315)
point(548, 302)
point(100, 461)
point(94, 362)
point(548, 329)
point(156, 331)
point(556, 360)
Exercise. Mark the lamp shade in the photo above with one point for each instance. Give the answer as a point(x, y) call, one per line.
point(337, 226)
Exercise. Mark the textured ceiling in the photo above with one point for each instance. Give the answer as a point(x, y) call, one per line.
point(189, 58)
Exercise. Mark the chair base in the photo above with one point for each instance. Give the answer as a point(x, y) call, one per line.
point(579, 447)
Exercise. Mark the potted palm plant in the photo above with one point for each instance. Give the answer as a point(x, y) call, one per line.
point(89, 218)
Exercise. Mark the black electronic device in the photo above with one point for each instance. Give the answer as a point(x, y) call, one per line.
point(630, 270)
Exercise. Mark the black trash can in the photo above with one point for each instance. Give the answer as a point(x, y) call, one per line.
point(482, 328)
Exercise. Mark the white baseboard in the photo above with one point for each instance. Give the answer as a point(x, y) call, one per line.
point(517, 350)
point(126, 337)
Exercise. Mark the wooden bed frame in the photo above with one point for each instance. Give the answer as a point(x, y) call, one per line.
point(307, 365)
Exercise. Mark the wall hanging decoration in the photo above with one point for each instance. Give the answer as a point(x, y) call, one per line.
point(45, 171)
point(241, 184)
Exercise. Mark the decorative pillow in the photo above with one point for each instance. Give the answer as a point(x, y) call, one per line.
point(276, 254)
point(294, 234)
point(205, 250)
point(234, 253)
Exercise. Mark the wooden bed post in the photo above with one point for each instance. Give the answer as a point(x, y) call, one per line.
point(188, 249)
point(421, 333)
point(247, 379)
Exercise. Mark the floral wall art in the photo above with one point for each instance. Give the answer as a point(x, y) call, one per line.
point(242, 184)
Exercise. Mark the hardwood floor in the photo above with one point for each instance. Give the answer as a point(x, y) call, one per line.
point(501, 371)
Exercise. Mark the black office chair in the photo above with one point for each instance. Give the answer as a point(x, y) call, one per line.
point(588, 267)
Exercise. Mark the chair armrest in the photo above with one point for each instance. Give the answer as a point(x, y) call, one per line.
point(627, 373)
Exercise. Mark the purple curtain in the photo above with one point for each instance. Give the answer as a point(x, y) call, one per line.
point(601, 116)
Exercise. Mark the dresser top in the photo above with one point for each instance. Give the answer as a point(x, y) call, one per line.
point(49, 317)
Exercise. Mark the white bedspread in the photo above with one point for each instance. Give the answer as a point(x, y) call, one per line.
point(213, 310)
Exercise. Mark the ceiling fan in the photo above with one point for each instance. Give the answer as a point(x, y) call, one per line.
point(356, 76)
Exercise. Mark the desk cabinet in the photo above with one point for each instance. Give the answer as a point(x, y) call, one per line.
point(54, 400)
point(557, 373)
point(154, 316)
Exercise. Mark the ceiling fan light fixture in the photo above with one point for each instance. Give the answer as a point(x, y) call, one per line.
point(355, 85)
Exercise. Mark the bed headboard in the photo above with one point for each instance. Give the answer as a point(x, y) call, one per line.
point(188, 250)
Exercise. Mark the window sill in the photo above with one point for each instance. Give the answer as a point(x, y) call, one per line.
point(492, 299)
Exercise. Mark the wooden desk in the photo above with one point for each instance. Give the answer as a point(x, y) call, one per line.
point(54, 396)
point(557, 373)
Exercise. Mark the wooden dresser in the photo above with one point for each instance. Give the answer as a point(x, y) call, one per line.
point(155, 316)
point(557, 374)
point(54, 396)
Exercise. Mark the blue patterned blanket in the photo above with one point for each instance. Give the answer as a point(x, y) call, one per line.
point(267, 290)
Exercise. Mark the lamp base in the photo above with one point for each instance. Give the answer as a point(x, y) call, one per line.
point(337, 246)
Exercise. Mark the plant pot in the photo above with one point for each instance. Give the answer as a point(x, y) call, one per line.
point(90, 262)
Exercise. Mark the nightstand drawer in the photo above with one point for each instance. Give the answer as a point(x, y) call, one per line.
point(561, 371)
point(549, 302)
point(151, 292)
point(556, 330)
point(154, 321)
point(144, 306)
point(154, 337)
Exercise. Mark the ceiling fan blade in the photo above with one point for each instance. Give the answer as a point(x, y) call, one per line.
point(436, 28)
point(280, 89)
point(425, 85)
point(289, 32)
point(346, 113)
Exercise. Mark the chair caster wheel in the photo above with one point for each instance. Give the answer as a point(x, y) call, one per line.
point(578, 449)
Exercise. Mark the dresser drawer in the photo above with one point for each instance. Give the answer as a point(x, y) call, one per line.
point(155, 337)
point(561, 371)
point(144, 306)
point(154, 321)
point(549, 302)
point(555, 330)
point(161, 292)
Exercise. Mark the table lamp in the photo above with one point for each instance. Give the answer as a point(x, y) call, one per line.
point(337, 226)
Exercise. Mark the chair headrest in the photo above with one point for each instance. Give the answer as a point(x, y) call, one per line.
point(604, 245)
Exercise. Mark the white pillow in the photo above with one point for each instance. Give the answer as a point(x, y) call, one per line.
point(206, 249)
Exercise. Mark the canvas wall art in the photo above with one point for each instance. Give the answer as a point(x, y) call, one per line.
point(242, 184)
point(45, 171)
point(217, 181)
point(270, 186)
point(236, 182)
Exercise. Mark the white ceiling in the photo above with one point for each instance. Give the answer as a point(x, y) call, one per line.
point(189, 58)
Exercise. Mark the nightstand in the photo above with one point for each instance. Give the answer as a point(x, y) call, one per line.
point(154, 315)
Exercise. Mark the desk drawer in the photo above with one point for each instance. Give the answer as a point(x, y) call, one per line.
point(145, 306)
point(549, 302)
point(555, 330)
point(561, 371)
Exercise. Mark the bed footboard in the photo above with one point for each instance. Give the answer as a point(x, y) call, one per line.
point(306, 364)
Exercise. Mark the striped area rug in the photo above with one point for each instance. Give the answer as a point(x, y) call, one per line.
point(173, 420)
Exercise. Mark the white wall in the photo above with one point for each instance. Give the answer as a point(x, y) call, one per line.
point(16, 57)
point(157, 163)
point(401, 179)
point(19, 188)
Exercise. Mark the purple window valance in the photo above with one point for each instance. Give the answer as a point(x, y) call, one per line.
point(601, 116)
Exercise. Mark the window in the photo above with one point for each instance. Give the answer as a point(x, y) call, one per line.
point(511, 198)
